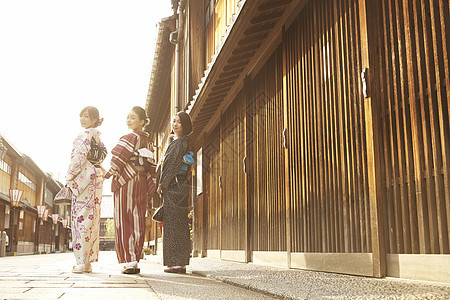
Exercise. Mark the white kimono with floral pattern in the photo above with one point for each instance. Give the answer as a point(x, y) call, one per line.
point(86, 183)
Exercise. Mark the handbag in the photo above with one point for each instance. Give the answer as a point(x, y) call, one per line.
point(64, 196)
point(158, 214)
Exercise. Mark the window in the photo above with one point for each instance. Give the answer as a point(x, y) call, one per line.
point(7, 214)
point(209, 10)
point(27, 181)
point(5, 167)
point(49, 197)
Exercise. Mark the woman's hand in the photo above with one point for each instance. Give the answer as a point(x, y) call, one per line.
point(159, 190)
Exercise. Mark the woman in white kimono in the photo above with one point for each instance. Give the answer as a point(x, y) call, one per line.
point(85, 179)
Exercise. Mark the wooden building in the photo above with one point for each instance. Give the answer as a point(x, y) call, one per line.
point(106, 236)
point(27, 233)
point(322, 131)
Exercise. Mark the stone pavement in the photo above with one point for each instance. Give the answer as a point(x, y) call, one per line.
point(286, 283)
point(49, 276)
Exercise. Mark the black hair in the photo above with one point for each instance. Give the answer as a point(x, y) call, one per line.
point(93, 114)
point(186, 122)
point(142, 115)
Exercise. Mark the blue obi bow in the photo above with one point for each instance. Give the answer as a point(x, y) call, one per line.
point(188, 162)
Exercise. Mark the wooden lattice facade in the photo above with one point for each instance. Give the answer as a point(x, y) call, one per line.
point(324, 128)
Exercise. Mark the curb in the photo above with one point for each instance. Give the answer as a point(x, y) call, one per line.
point(235, 283)
point(245, 286)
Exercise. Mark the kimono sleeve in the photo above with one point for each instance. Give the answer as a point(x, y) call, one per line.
point(121, 155)
point(78, 157)
point(172, 162)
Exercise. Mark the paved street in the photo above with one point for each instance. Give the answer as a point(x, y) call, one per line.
point(49, 277)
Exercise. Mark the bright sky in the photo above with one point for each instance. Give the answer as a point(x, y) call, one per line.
point(57, 56)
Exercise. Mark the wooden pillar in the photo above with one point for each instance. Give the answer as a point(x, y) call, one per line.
point(220, 183)
point(14, 183)
point(206, 174)
point(286, 134)
point(197, 41)
point(368, 23)
point(248, 137)
point(40, 199)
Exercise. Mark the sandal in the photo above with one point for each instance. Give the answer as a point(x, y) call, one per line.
point(131, 270)
point(176, 269)
point(81, 268)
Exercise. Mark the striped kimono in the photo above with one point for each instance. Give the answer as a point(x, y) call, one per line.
point(86, 182)
point(130, 187)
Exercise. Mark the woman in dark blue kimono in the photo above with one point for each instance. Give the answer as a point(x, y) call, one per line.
point(174, 188)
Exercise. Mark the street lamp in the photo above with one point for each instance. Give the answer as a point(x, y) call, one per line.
point(55, 218)
point(45, 216)
point(65, 222)
point(55, 222)
point(14, 195)
point(3, 150)
point(40, 213)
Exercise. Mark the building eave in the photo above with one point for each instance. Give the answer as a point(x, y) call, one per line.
point(254, 28)
point(160, 77)
point(21, 157)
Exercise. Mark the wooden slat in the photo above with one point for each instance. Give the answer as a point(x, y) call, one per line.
point(414, 130)
point(334, 178)
point(401, 142)
point(273, 4)
point(258, 29)
point(388, 138)
point(248, 176)
point(338, 125)
point(344, 129)
point(211, 158)
point(329, 214)
point(354, 211)
point(310, 203)
point(316, 157)
point(267, 159)
point(443, 25)
point(267, 17)
point(321, 218)
point(426, 130)
point(434, 105)
point(409, 145)
point(369, 59)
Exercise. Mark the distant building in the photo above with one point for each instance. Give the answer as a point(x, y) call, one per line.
point(19, 175)
point(107, 223)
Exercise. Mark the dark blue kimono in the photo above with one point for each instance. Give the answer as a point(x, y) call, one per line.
point(175, 189)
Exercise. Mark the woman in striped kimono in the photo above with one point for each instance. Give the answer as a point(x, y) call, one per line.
point(130, 185)
point(85, 179)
